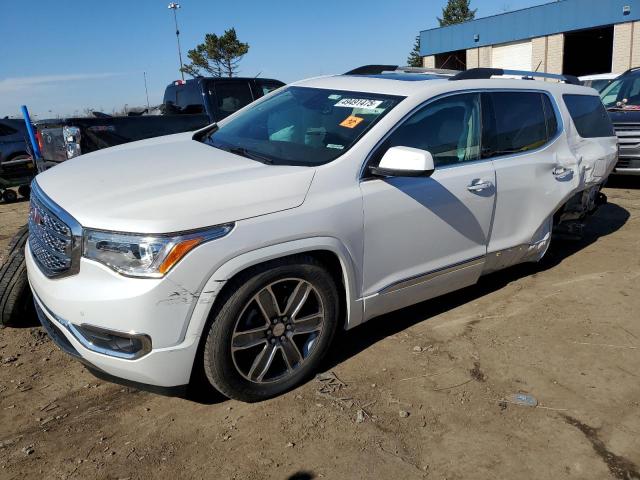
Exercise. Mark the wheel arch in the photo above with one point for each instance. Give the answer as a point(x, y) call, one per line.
point(13, 155)
point(327, 250)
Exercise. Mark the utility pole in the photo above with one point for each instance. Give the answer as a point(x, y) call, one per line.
point(146, 91)
point(175, 6)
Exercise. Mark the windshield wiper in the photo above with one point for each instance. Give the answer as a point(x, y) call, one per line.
point(249, 154)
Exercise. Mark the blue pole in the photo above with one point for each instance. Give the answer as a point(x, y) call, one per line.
point(32, 135)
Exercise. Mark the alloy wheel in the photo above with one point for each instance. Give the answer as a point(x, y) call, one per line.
point(277, 330)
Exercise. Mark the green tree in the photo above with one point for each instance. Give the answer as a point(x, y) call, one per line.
point(456, 11)
point(414, 59)
point(218, 55)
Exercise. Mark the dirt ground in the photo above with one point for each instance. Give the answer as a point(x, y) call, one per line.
point(426, 392)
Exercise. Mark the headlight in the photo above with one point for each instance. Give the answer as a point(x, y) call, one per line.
point(145, 255)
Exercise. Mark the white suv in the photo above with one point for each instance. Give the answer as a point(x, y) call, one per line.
point(238, 251)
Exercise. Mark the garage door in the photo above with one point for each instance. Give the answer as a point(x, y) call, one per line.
point(512, 56)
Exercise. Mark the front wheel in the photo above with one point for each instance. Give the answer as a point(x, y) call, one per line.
point(273, 331)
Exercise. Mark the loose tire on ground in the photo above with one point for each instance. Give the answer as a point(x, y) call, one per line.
point(220, 361)
point(9, 196)
point(18, 241)
point(16, 301)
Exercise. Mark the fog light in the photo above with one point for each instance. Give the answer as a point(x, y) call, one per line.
point(115, 344)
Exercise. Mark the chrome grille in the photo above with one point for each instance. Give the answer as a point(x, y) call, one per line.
point(51, 241)
point(629, 142)
point(628, 136)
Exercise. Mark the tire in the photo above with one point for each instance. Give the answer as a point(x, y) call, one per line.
point(10, 196)
point(24, 191)
point(16, 301)
point(300, 281)
point(18, 241)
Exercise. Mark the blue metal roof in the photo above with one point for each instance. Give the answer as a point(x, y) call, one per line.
point(538, 21)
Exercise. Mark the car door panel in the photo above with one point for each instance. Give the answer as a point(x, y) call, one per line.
point(424, 224)
point(425, 236)
point(531, 185)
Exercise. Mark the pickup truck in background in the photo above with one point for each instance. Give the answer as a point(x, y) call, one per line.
point(187, 105)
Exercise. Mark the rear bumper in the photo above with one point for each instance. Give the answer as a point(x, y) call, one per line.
point(625, 171)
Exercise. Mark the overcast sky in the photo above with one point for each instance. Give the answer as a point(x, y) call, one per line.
point(60, 57)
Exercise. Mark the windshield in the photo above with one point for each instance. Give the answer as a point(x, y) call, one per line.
point(302, 126)
point(623, 93)
point(599, 84)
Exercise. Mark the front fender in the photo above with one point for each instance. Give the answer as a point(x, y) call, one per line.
point(246, 260)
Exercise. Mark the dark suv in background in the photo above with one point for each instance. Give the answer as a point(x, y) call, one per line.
point(622, 100)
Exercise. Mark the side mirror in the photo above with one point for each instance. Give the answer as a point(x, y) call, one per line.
point(404, 162)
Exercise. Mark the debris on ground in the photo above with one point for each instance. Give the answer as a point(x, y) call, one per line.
point(329, 382)
point(522, 399)
point(476, 373)
point(28, 450)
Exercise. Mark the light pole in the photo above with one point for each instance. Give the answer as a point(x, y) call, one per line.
point(175, 6)
point(146, 91)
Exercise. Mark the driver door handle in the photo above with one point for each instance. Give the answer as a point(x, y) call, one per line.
point(479, 185)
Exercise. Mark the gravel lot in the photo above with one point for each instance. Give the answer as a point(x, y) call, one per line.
point(425, 392)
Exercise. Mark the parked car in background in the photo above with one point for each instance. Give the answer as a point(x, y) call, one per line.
point(16, 166)
point(187, 106)
point(622, 100)
point(241, 249)
point(598, 81)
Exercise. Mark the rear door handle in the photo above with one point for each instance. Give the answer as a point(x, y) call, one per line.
point(479, 185)
point(562, 172)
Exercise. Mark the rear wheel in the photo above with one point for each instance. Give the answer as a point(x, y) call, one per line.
point(273, 331)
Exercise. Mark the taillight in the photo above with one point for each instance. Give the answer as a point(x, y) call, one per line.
point(71, 137)
point(39, 140)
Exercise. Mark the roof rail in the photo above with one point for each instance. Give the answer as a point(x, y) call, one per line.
point(632, 69)
point(485, 73)
point(378, 69)
point(371, 69)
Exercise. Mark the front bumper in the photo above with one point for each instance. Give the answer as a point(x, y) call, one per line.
point(104, 299)
point(65, 345)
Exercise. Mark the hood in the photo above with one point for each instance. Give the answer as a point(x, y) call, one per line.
point(170, 184)
point(624, 116)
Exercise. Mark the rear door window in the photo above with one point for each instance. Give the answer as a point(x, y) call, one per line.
point(189, 98)
point(589, 115)
point(232, 96)
point(515, 122)
point(550, 117)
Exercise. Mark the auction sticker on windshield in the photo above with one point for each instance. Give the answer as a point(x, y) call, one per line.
point(351, 121)
point(362, 103)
